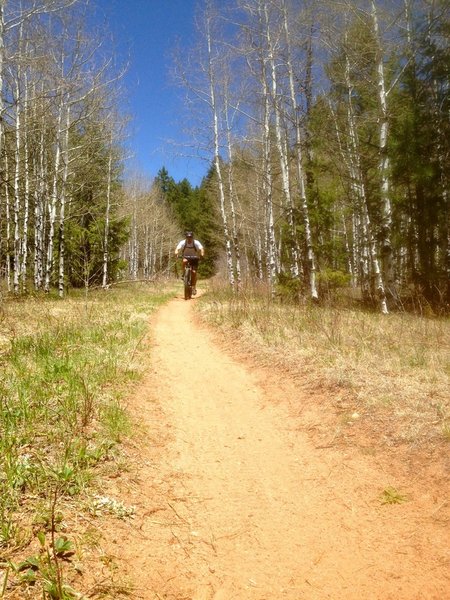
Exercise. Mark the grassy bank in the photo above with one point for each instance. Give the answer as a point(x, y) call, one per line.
point(66, 366)
point(393, 371)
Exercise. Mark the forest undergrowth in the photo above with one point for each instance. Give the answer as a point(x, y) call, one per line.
point(66, 367)
point(387, 373)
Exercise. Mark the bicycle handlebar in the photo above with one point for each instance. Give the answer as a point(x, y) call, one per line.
point(189, 258)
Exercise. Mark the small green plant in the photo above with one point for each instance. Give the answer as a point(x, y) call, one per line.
point(446, 431)
point(65, 368)
point(44, 520)
point(390, 495)
point(289, 288)
point(5, 581)
point(329, 280)
point(63, 547)
point(8, 530)
point(44, 568)
point(28, 569)
point(115, 420)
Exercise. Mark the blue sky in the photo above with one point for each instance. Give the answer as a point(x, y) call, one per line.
point(145, 31)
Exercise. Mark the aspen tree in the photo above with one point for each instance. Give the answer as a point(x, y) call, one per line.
point(8, 225)
point(54, 198)
point(2, 62)
point(49, 102)
point(231, 189)
point(384, 165)
point(216, 144)
point(107, 218)
point(301, 178)
point(260, 71)
point(152, 229)
point(21, 18)
point(204, 78)
point(2, 54)
point(351, 155)
point(26, 189)
point(281, 146)
point(62, 202)
point(134, 246)
point(18, 247)
point(39, 214)
point(267, 192)
point(367, 248)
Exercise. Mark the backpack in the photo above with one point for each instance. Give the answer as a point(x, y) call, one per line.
point(195, 247)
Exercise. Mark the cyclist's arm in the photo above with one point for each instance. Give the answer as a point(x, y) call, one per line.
point(200, 248)
point(178, 248)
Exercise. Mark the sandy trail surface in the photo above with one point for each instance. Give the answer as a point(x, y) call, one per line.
point(236, 500)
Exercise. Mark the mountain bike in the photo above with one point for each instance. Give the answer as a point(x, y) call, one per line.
point(187, 278)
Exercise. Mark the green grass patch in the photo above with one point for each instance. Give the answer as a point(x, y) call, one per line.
point(66, 366)
point(390, 495)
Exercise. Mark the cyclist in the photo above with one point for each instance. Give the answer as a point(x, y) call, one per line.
point(190, 249)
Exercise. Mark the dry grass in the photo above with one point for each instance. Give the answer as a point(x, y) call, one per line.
point(397, 365)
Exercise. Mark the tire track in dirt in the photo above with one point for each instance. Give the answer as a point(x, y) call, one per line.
point(239, 504)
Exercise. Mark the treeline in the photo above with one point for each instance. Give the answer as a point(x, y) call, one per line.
point(327, 128)
point(193, 209)
point(59, 148)
point(68, 214)
point(159, 211)
point(328, 124)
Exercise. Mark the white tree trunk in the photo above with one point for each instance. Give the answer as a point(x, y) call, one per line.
point(217, 166)
point(7, 208)
point(232, 198)
point(267, 182)
point(284, 167)
point(8, 224)
point(148, 250)
point(161, 253)
point(357, 183)
point(267, 190)
point(39, 216)
point(26, 178)
point(299, 161)
point(259, 239)
point(17, 203)
point(350, 153)
point(2, 54)
point(107, 217)
point(384, 164)
point(62, 210)
point(350, 263)
point(134, 242)
point(53, 201)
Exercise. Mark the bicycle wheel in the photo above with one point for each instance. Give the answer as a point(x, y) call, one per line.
point(187, 284)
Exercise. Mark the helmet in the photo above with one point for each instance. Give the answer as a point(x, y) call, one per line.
point(189, 234)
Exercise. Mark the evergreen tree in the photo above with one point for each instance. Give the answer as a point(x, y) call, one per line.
point(421, 157)
point(193, 209)
point(86, 214)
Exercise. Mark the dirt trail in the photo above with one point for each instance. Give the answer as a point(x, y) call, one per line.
point(234, 501)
